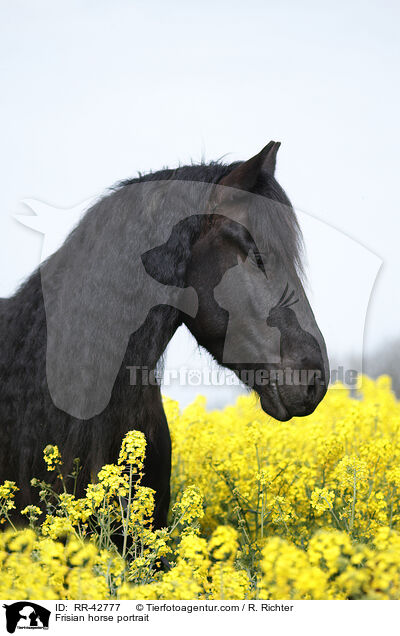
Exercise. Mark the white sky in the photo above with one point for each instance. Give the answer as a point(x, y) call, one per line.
point(91, 92)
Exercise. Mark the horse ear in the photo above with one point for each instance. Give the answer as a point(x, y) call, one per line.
point(269, 157)
point(246, 175)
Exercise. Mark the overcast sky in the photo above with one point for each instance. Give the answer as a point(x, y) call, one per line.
point(92, 92)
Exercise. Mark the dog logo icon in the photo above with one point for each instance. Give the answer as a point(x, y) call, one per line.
point(26, 615)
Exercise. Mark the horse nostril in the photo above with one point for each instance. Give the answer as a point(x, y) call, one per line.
point(313, 387)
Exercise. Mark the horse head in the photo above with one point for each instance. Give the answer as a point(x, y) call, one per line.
point(239, 267)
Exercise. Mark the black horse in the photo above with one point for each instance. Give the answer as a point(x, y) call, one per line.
point(69, 335)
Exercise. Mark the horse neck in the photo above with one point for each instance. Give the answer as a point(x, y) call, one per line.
point(148, 344)
point(23, 328)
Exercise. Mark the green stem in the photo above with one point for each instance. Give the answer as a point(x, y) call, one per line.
point(127, 512)
point(353, 503)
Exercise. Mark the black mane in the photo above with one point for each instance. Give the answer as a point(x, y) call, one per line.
point(281, 231)
point(207, 172)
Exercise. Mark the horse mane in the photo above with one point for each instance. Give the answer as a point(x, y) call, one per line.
point(281, 231)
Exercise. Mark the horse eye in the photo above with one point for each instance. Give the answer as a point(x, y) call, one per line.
point(257, 259)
